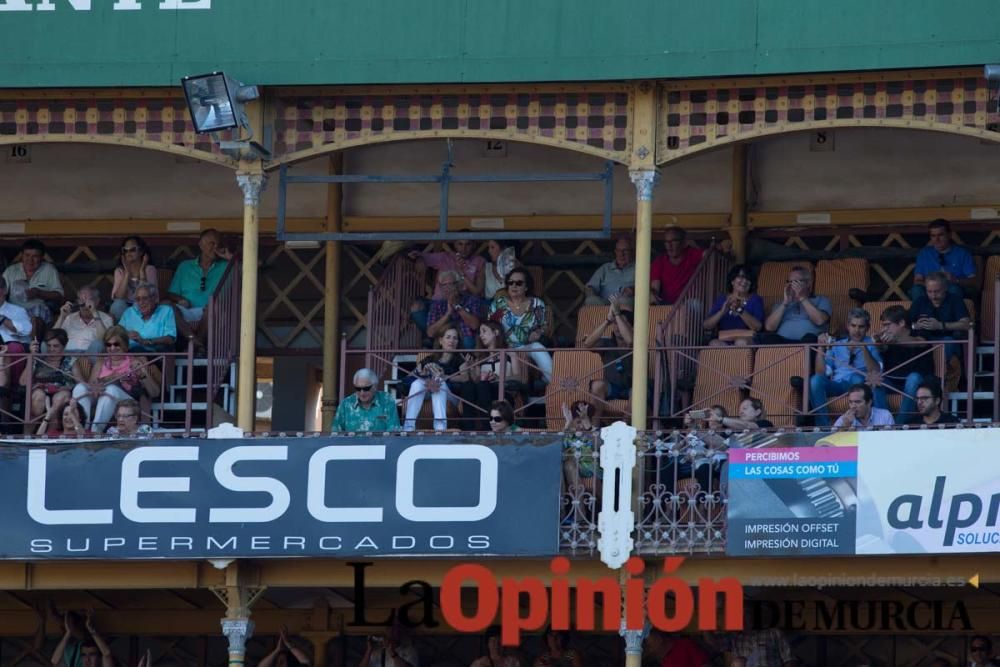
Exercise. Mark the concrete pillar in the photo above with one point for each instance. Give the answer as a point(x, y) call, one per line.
point(645, 180)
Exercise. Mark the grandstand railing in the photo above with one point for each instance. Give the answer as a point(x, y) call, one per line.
point(222, 338)
point(389, 301)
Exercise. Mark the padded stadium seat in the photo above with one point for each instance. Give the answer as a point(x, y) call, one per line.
point(771, 281)
point(773, 366)
point(987, 329)
point(587, 319)
point(572, 373)
point(721, 374)
point(833, 279)
point(876, 308)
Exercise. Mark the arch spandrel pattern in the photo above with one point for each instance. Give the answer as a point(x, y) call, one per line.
point(593, 120)
point(158, 123)
point(694, 119)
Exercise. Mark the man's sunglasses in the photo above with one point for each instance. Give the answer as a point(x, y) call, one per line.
point(365, 388)
point(203, 282)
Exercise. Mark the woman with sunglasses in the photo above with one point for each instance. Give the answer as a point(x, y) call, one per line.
point(136, 267)
point(502, 418)
point(53, 376)
point(739, 314)
point(432, 378)
point(117, 377)
point(524, 319)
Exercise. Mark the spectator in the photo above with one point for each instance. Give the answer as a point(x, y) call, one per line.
point(751, 417)
point(53, 376)
point(431, 380)
point(940, 315)
point(498, 655)
point(524, 319)
point(503, 259)
point(84, 322)
point(739, 314)
point(136, 267)
point(15, 329)
point(69, 422)
point(484, 388)
point(502, 418)
point(672, 270)
point(470, 269)
point(942, 256)
point(88, 647)
point(579, 417)
point(906, 364)
point(616, 363)
point(800, 316)
point(980, 650)
point(758, 648)
point(674, 651)
point(127, 416)
point(843, 365)
point(33, 281)
point(368, 409)
point(195, 281)
point(455, 309)
point(929, 406)
point(861, 415)
point(285, 654)
point(151, 326)
point(393, 649)
point(116, 378)
point(615, 278)
point(558, 652)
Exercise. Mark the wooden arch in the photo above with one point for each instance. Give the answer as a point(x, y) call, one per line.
point(591, 119)
point(703, 115)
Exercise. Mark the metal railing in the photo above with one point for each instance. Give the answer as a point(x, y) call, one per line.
point(389, 325)
point(222, 339)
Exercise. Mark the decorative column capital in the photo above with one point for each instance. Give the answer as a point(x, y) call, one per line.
point(633, 639)
point(252, 185)
point(237, 631)
point(644, 180)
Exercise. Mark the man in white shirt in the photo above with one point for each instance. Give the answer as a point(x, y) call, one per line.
point(84, 322)
point(15, 333)
point(861, 415)
point(32, 282)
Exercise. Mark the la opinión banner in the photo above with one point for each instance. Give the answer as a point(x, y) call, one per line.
point(281, 497)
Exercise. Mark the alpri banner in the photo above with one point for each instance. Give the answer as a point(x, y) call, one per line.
point(282, 497)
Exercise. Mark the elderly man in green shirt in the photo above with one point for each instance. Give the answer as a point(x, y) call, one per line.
point(368, 409)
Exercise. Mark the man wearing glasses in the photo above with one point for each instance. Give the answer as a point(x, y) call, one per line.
point(942, 256)
point(367, 409)
point(929, 407)
point(196, 279)
point(151, 326)
point(980, 648)
point(843, 365)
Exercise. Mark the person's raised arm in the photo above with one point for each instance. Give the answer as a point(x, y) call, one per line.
point(60, 650)
point(815, 315)
point(107, 659)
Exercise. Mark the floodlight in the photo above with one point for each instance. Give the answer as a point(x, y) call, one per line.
point(215, 102)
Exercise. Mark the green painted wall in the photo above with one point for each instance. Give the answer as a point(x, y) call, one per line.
point(426, 41)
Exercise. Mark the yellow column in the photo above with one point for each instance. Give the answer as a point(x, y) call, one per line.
point(644, 180)
point(331, 294)
point(252, 182)
point(738, 209)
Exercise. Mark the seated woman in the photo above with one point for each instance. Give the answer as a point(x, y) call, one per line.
point(524, 319)
point(484, 380)
point(53, 376)
point(114, 378)
point(558, 653)
point(69, 423)
point(751, 417)
point(503, 259)
point(579, 452)
point(432, 378)
point(739, 314)
point(502, 418)
point(136, 267)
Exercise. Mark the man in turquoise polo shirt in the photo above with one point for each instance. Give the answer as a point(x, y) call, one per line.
point(196, 279)
point(150, 325)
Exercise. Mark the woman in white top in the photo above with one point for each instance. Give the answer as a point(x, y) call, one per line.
point(502, 261)
point(484, 387)
point(135, 267)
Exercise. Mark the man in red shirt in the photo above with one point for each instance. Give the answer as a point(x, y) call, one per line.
point(674, 651)
point(672, 270)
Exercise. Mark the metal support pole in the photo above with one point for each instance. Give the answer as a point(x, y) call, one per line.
point(738, 208)
point(331, 295)
point(645, 180)
point(252, 183)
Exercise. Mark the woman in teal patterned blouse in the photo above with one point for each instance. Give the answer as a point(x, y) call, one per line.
point(524, 319)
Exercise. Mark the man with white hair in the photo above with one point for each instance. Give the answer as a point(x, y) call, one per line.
point(151, 326)
point(367, 409)
point(84, 322)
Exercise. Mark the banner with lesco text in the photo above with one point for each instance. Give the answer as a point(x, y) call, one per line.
point(886, 492)
point(282, 497)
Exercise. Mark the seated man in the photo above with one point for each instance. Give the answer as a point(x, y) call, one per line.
point(84, 322)
point(33, 281)
point(861, 415)
point(800, 316)
point(617, 381)
point(942, 256)
point(843, 366)
point(367, 409)
point(195, 281)
point(672, 270)
point(15, 334)
point(455, 308)
point(615, 278)
point(929, 406)
point(151, 326)
point(941, 315)
point(470, 268)
point(905, 362)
